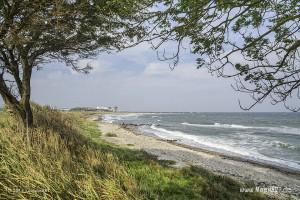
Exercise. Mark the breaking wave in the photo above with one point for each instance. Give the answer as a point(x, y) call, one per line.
point(282, 129)
point(219, 146)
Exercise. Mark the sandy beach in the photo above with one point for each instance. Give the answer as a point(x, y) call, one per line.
point(263, 176)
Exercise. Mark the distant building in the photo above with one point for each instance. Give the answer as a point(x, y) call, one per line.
point(107, 109)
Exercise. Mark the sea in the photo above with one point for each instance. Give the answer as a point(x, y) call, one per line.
point(266, 138)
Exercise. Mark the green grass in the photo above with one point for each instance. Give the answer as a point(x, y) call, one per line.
point(66, 159)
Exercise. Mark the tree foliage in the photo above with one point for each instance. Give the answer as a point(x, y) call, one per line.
point(255, 42)
point(33, 32)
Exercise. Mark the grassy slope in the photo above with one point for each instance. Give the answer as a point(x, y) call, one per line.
point(67, 160)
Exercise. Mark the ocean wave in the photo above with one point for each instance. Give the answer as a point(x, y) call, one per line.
point(113, 118)
point(218, 125)
point(219, 146)
point(282, 129)
point(161, 132)
point(196, 140)
point(283, 145)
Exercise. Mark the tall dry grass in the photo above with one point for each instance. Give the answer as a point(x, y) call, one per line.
point(59, 162)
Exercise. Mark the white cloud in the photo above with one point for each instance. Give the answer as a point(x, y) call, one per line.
point(157, 69)
point(183, 71)
point(139, 54)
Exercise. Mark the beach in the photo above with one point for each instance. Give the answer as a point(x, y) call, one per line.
point(263, 177)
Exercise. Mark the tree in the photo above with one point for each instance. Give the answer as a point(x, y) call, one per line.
point(33, 32)
point(253, 41)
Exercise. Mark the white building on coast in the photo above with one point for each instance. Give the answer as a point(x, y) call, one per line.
point(107, 109)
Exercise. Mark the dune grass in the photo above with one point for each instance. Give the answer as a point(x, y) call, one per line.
point(66, 159)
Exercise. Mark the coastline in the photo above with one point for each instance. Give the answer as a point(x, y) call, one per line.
point(261, 175)
point(134, 130)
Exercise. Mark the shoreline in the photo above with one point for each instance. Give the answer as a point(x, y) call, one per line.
point(134, 129)
point(239, 169)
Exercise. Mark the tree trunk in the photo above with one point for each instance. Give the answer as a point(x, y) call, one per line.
point(25, 96)
point(20, 107)
point(27, 112)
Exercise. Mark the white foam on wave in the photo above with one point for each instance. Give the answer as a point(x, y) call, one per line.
point(282, 129)
point(194, 140)
point(219, 146)
point(218, 125)
point(110, 118)
point(283, 145)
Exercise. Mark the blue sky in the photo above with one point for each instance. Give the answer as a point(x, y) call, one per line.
point(135, 80)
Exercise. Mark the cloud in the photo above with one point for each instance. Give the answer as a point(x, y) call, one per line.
point(182, 71)
point(157, 69)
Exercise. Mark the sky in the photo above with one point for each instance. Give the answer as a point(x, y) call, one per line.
point(136, 80)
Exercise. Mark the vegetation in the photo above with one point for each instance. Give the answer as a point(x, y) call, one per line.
point(255, 42)
point(66, 159)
